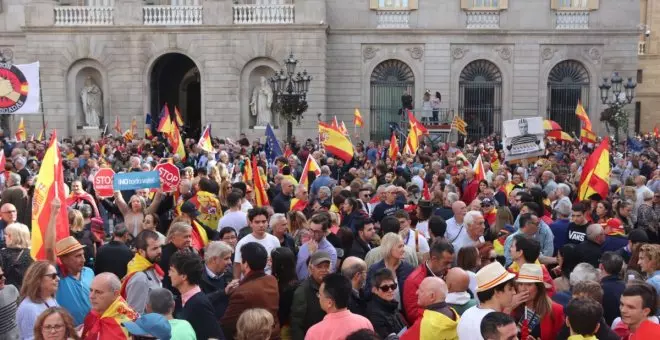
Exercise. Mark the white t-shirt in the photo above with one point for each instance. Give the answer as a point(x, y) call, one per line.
point(422, 243)
point(469, 325)
point(423, 228)
point(246, 206)
point(269, 242)
point(235, 219)
point(453, 229)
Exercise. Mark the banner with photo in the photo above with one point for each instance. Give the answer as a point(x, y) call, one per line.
point(19, 88)
point(523, 138)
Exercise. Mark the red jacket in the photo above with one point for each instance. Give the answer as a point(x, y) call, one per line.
point(412, 310)
point(552, 323)
point(471, 192)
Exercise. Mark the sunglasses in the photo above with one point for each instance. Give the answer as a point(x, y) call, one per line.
point(387, 288)
point(52, 276)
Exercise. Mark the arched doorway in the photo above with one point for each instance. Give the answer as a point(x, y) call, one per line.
point(392, 83)
point(175, 80)
point(480, 98)
point(568, 82)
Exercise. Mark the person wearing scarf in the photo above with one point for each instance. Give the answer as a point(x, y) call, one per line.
point(109, 310)
point(79, 197)
point(143, 272)
point(615, 238)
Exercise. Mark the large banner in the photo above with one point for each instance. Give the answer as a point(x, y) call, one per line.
point(136, 180)
point(19, 88)
point(523, 138)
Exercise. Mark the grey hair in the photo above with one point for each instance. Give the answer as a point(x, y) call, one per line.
point(593, 231)
point(113, 281)
point(177, 228)
point(583, 272)
point(550, 174)
point(471, 216)
point(325, 170)
point(563, 208)
point(14, 177)
point(325, 190)
point(161, 301)
point(452, 197)
point(564, 188)
point(276, 218)
point(451, 188)
point(421, 172)
point(20, 160)
point(350, 271)
point(388, 242)
point(647, 195)
point(217, 249)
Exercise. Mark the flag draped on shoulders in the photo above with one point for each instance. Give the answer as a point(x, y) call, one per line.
point(595, 178)
point(335, 142)
point(49, 184)
point(432, 325)
point(138, 264)
point(108, 326)
point(260, 196)
point(312, 166)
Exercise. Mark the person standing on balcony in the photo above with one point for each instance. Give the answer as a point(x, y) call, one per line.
point(427, 110)
point(435, 106)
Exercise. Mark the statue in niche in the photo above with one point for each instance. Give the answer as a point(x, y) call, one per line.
point(261, 102)
point(92, 102)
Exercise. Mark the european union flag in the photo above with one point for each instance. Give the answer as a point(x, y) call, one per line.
point(635, 145)
point(273, 148)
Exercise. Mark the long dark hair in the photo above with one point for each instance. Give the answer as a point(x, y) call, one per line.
point(284, 267)
point(569, 254)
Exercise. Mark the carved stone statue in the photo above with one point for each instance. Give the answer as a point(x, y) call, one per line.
point(260, 104)
point(92, 102)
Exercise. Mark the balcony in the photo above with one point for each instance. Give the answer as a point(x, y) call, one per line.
point(641, 47)
point(393, 19)
point(89, 13)
point(178, 13)
point(264, 12)
point(572, 20)
point(489, 19)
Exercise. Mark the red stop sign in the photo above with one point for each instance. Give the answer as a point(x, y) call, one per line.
point(103, 182)
point(169, 176)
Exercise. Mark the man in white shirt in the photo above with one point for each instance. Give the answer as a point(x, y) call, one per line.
point(495, 290)
point(474, 231)
point(234, 218)
point(455, 224)
point(258, 218)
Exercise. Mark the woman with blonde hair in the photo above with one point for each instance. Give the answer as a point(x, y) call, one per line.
point(16, 256)
point(649, 263)
point(255, 323)
point(393, 250)
point(85, 237)
point(55, 323)
point(297, 222)
point(501, 229)
point(37, 294)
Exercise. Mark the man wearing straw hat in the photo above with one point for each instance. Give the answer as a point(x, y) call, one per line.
point(68, 256)
point(495, 290)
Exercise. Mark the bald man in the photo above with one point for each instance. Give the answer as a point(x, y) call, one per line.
point(438, 318)
point(15, 194)
point(8, 215)
point(355, 269)
point(282, 202)
point(458, 282)
point(455, 224)
point(109, 310)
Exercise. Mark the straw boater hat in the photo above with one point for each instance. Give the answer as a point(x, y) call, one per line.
point(67, 245)
point(530, 273)
point(491, 276)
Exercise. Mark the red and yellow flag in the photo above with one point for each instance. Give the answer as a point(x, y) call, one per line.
point(312, 166)
point(109, 324)
point(21, 134)
point(393, 151)
point(357, 118)
point(50, 184)
point(177, 116)
point(165, 124)
point(117, 125)
point(247, 171)
point(595, 177)
point(479, 172)
point(40, 136)
point(412, 142)
point(586, 136)
point(415, 124)
point(432, 325)
point(260, 196)
point(205, 140)
point(343, 128)
point(335, 142)
point(128, 135)
point(134, 126)
point(583, 116)
point(178, 147)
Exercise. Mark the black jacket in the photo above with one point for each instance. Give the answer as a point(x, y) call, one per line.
point(384, 316)
point(113, 257)
point(357, 304)
point(214, 288)
point(201, 315)
point(589, 252)
point(306, 309)
point(612, 289)
point(359, 248)
point(281, 204)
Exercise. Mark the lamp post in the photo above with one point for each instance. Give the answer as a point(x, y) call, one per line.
point(290, 90)
point(615, 115)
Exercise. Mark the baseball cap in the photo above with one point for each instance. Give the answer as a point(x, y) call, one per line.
point(319, 257)
point(189, 209)
point(151, 324)
point(638, 236)
point(486, 202)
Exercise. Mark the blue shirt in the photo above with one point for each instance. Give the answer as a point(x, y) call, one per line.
point(321, 181)
point(655, 280)
point(73, 294)
point(543, 235)
point(303, 255)
point(560, 232)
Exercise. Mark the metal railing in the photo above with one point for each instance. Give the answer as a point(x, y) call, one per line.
point(84, 15)
point(264, 14)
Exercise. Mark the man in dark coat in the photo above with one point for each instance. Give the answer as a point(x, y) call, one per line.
point(15, 194)
point(589, 250)
point(217, 278)
point(610, 266)
point(364, 233)
point(306, 309)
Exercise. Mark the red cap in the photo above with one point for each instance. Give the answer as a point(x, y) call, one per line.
point(615, 226)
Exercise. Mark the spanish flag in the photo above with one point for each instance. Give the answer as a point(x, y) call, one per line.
point(335, 142)
point(586, 136)
point(128, 135)
point(21, 134)
point(247, 171)
point(260, 196)
point(50, 184)
point(583, 116)
point(205, 140)
point(109, 324)
point(412, 142)
point(134, 126)
point(595, 177)
point(177, 116)
point(393, 151)
point(165, 124)
point(416, 125)
point(357, 118)
point(433, 325)
point(178, 147)
point(312, 166)
point(479, 172)
point(117, 125)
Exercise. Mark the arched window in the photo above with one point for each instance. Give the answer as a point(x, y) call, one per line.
point(568, 82)
point(392, 88)
point(480, 98)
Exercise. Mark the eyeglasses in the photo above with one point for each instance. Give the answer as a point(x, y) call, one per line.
point(52, 276)
point(53, 328)
point(387, 288)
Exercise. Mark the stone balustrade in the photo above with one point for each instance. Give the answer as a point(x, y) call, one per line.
point(393, 19)
point(264, 14)
point(572, 20)
point(641, 47)
point(172, 15)
point(483, 19)
point(84, 15)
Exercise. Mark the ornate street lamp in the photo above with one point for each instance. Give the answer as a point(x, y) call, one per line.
point(615, 116)
point(290, 90)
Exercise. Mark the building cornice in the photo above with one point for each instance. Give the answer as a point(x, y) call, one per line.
point(482, 32)
point(303, 28)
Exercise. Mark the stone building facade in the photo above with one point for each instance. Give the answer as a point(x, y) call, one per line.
point(648, 75)
point(490, 60)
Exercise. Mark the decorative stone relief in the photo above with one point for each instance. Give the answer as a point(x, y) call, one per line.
point(459, 52)
point(593, 53)
point(369, 52)
point(505, 53)
point(548, 53)
point(416, 52)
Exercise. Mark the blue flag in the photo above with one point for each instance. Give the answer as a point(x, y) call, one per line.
point(635, 145)
point(273, 148)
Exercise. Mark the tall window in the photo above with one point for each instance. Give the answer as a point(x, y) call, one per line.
point(480, 98)
point(568, 83)
point(392, 89)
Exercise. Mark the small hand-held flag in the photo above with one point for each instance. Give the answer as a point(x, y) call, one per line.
point(393, 151)
point(272, 147)
point(312, 166)
point(177, 116)
point(260, 196)
point(205, 140)
point(178, 147)
point(479, 173)
point(21, 134)
point(134, 126)
point(165, 124)
point(595, 178)
point(459, 125)
point(583, 116)
point(117, 125)
point(357, 118)
point(147, 127)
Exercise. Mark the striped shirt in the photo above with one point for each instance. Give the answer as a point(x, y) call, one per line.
point(8, 305)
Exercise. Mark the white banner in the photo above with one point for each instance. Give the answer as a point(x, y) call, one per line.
point(19, 89)
point(523, 138)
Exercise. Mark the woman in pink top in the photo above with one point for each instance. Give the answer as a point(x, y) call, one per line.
point(339, 322)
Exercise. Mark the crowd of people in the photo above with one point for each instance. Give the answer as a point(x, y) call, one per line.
point(410, 247)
